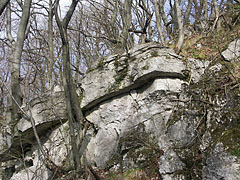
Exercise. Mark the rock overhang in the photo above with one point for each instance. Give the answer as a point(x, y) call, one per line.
point(47, 111)
point(121, 74)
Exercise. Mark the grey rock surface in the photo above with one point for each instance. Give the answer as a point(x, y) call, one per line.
point(142, 93)
point(150, 105)
point(44, 109)
point(232, 53)
point(221, 165)
point(119, 74)
point(47, 111)
point(58, 144)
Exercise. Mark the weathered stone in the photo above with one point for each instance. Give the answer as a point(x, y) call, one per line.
point(43, 110)
point(47, 111)
point(143, 64)
point(233, 51)
point(196, 68)
point(31, 173)
point(58, 148)
point(137, 102)
point(114, 118)
point(170, 163)
point(221, 165)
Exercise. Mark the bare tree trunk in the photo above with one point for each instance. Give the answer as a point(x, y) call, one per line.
point(127, 20)
point(173, 14)
point(78, 59)
point(3, 5)
point(205, 8)
point(105, 16)
point(8, 25)
point(15, 62)
point(158, 22)
point(217, 14)
point(198, 8)
point(180, 27)
point(50, 45)
point(73, 106)
point(113, 20)
point(164, 17)
point(188, 11)
point(163, 14)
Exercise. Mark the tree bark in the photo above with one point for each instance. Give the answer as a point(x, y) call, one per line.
point(127, 20)
point(163, 14)
point(188, 12)
point(198, 8)
point(50, 45)
point(8, 25)
point(164, 17)
point(217, 14)
point(180, 27)
point(15, 63)
point(205, 8)
point(73, 107)
point(159, 23)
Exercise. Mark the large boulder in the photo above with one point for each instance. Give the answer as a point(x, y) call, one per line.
point(118, 74)
point(147, 108)
point(151, 105)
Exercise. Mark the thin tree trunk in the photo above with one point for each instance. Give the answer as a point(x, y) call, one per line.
point(174, 16)
point(180, 27)
point(15, 62)
point(50, 45)
point(73, 107)
point(163, 14)
point(188, 12)
point(164, 17)
point(198, 8)
point(78, 59)
point(205, 8)
point(113, 20)
point(127, 20)
point(217, 14)
point(8, 25)
point(159, 23)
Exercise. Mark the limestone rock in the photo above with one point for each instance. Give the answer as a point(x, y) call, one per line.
point(233, 51)
point(47, 111)
point(44, 109)
point(139, 102)
point(221, 165)
point(121, 74)
point(115, 118)
point(197, 68)
point(58, 148)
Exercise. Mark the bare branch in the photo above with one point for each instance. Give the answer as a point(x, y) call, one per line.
point(3, 5)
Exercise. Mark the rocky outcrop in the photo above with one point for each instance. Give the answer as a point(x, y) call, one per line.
point(118, 74)
point(232, 53)
point(48, 111)
point(149, 109)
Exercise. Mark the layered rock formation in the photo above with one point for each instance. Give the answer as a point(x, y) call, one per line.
point(148, 106)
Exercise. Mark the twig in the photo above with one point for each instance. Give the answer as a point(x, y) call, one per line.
point(114, 41)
